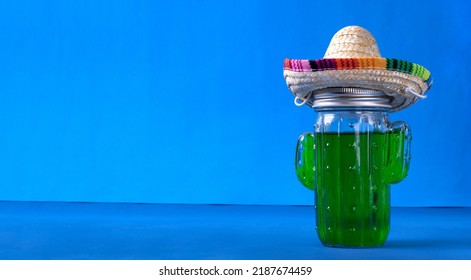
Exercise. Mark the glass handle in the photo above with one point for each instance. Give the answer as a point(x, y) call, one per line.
point(304, 160)
point(398, 155)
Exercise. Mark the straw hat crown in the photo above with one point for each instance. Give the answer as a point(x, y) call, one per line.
point(352, 41)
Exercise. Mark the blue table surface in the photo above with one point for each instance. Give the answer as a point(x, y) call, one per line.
point(56, 230)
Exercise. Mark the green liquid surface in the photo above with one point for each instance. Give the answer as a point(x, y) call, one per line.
point(352, 186)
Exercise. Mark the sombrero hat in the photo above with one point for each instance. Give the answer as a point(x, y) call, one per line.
point(352, 60)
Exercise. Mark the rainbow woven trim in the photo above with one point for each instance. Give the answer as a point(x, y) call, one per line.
point(373, 63)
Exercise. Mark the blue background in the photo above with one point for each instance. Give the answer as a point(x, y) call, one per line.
point(185, 101)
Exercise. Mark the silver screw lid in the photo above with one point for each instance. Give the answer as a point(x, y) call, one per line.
point(346, 98)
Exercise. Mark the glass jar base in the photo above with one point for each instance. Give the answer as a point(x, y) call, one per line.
point(360, 239)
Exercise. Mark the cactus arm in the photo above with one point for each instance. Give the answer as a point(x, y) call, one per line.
point(304, 160)
point(398, 156)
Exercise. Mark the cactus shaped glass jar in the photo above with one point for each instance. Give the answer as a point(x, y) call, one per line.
point(354, 153)
point(350, 160)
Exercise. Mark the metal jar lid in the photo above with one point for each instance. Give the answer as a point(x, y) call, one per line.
point(349, 98)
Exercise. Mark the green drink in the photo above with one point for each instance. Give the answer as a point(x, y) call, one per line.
point(353, 198)
point(351, 173)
